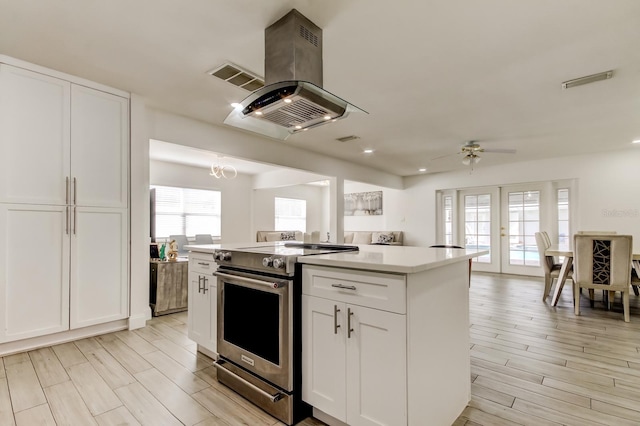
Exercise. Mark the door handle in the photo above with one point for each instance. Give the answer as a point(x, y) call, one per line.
point(336, 326)
point(349, 329)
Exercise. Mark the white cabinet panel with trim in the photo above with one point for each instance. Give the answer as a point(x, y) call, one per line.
point(202, 302)
point(64, 147)
point(351, 351)
point(34, 270)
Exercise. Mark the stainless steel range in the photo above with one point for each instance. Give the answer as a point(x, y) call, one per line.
point(259, 330)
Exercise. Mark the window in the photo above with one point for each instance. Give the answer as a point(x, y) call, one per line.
point(186, 211)
point(448, 220)
point(290, 214)
point(477, 224)
point(563, 216)
point(524, 222)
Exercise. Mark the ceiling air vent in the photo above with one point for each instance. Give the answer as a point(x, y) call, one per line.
point(238, 77)
point(348, 138)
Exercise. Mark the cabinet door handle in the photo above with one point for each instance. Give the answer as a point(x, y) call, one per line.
point(75, 190)
point(67, 221)
point(349, 329)
point(75, 220)
point(66, 197)
point(345, 287)
point(336, 326)
point(200, 278)
point(204, 285)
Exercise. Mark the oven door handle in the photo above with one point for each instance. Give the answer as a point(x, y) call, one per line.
point(272, 398)
point(270, 284)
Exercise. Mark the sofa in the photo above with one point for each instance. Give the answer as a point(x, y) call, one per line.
point(269, 236)
point(393, 238)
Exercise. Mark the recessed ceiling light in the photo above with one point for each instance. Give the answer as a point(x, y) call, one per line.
point(287, 101)
point(327, 117)
point(258, 112)
point(422, 170)
point(368, 151)
point(236, 105)
point(298, 127)
point(636, 141)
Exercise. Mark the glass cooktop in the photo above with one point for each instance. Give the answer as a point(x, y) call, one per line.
point(298, 249)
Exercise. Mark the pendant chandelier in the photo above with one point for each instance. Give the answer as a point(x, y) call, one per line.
point(223, 171)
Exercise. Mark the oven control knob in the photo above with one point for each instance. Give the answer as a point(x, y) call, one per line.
point(278, 263)
point(267, 262)
point(224, 256)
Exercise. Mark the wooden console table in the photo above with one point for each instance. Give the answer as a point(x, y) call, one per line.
point(168, 286)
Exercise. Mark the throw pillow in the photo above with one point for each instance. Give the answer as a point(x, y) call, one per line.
point(285, 236)
point(385, 238)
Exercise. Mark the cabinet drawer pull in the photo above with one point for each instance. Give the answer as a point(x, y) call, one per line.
point(203, 263)
point(336, 326)
point(349, 329)
point(345, 287)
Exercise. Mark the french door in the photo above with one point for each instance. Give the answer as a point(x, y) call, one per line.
point(504, 221)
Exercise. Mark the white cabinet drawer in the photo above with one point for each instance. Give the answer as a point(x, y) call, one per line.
point(373, 289)
point(202, 263)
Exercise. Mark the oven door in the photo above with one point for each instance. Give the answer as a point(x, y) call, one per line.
point(255, 324)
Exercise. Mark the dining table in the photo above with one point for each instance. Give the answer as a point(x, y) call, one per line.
point(567, 253)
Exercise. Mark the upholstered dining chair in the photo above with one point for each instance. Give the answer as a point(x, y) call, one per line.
point(182, 241)
point(204, 239)
point(602, 262)
point(549, 266)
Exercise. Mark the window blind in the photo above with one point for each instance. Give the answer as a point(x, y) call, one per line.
point(187, 211)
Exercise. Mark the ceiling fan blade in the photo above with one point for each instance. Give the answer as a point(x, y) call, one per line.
point(500, 150)
point(443, 156)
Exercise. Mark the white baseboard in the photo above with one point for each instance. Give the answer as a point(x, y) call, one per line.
point(62, 337)
point(324, 417)
point(139, 320)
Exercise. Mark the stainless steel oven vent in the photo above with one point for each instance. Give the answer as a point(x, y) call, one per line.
point(293, 99)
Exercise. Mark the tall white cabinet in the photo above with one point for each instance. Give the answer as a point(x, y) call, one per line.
point(64, 149)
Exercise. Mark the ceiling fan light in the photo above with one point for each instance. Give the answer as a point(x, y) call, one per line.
point(466, 160)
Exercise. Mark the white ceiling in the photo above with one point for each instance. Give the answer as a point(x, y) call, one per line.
point(432, 74)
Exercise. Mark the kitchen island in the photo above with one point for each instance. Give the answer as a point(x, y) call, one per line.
point(385, 334)
point(384, 330)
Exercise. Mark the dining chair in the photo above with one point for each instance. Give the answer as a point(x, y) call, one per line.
point(182, 241)
point(602, 262)
point(204, 239)
point(549, 266)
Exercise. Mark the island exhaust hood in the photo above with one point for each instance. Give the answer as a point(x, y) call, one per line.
point(292, 99)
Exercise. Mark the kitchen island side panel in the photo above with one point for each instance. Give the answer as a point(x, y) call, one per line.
point(438, 354)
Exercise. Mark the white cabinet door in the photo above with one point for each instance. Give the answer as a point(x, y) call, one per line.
point(376, 367)
point(323, 355)
point(99, 266)
point(99, 146)
point(34, 271)
point(199, 312)
point(34, 137)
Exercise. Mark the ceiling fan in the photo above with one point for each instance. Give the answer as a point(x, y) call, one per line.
point(471, 151)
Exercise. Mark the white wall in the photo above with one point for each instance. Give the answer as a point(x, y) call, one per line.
point(236, 195)
point(393, 212)
point(608, 192)
point(264, 205)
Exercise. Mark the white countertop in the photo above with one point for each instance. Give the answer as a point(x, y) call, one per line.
point(397, 259)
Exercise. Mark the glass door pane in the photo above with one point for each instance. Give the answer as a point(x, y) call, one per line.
point(524, 222)
point(477, 224)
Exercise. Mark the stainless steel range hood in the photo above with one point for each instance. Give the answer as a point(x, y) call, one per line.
point(292, 99)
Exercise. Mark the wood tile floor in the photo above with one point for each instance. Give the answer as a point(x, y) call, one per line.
point(531, 364)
